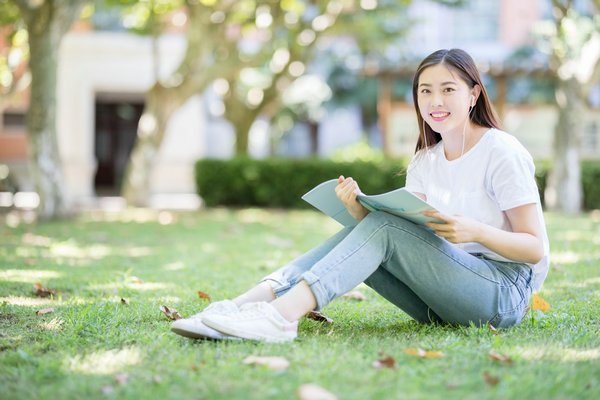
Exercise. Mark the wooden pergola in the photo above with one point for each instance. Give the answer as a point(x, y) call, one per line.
point(501, 73)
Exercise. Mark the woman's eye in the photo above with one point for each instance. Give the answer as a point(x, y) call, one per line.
point(424, 91)
point(448, 90)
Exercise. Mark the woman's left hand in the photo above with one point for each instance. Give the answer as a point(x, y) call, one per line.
point(457, 229)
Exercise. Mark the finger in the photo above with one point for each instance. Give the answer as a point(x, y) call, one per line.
point(341, 179)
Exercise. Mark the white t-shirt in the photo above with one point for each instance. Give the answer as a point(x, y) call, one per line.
point(495, 175)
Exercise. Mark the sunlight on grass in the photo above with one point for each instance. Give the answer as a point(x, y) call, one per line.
point(27, 301)
point(96, 251)
point(30, 276)
point(143, 286)
point(52, 325)
point(565, 257)
point(176, 266)
point(558, 353)
point(580, 284)
point(104, 362)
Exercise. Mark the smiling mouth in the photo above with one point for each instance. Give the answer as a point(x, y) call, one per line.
point(439, 116)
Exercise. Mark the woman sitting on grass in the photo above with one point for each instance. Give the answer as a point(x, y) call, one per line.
point(479, 266)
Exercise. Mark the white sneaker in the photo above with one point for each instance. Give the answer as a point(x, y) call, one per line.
point(193, 327)
point(254, 321)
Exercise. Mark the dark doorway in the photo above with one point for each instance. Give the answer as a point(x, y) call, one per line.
point(116, 131)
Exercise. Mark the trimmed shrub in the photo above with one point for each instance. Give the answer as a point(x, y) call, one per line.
point(280, 182)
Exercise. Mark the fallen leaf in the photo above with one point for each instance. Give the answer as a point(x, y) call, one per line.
point(490, 379)
point(492, 329)
point(29, 262)
point(42, 291)
point(124, 301)
point(170, 313)
point(539, 304)
point(310, 391)
point(355, 295)
point(500, 357)
point(423, 354)
point(274, 363)
point(317, 316)
point(135, 279)
point(122, 378)
point(44, 311)
point(387, 362)
point(204, 296)
point(106, 390)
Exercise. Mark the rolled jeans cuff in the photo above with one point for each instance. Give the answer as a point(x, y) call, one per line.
point(319, 291)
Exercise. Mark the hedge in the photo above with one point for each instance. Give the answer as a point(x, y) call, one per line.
point(280, 182)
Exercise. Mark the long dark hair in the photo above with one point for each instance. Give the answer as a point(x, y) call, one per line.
point(460, 61)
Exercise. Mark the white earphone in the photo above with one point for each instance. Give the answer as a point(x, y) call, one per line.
point(473, 101)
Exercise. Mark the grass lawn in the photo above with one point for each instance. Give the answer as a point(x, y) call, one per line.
point(94, 346)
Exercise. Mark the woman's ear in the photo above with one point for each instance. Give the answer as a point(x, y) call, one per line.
point(475, 92)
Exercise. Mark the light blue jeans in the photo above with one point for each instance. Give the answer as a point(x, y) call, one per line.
point(429, 278)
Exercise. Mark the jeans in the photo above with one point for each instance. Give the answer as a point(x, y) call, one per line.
point(428, 277)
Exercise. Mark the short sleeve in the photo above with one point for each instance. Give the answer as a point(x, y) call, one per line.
point(512, 180)
point(415, 182)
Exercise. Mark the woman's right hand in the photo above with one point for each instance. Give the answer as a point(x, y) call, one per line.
point(347, 190)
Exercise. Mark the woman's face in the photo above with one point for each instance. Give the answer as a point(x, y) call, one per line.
point(444, 99)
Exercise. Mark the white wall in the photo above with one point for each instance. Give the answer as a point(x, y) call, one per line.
point(120, 64)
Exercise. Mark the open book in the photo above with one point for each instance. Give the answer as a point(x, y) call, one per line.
point(399, 202)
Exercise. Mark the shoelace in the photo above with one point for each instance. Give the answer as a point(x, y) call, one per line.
point(215, 307)
point(254, 310)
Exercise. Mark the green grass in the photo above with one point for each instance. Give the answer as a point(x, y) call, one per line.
point(91, 337)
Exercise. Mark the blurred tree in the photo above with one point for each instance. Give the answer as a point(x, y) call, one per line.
point(14, 54)
point(573, 41)
point(46, 22)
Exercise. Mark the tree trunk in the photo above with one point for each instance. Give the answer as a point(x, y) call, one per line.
point(564, 190)
point(160, 105)
point(46, 25)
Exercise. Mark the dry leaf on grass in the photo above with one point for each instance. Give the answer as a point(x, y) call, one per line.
point(539, 304)
point(317, 316)
point(42, 291)
point(355, 295)
point(310, 391)
point(386, 362)
point(170, 313)
point(107, 390)
point(203, 296)
point(490, 379)
point(44, 311)
point(274, 363)
point(124, 301)
point(500, 357)
point(423, 354)
point(492, 329)
point(122, 378)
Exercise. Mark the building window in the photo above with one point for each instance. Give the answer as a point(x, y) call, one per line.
point(13, 120)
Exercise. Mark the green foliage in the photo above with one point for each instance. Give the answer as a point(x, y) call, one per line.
point(590, 177)
point(279, 182)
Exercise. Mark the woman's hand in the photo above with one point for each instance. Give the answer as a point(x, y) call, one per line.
point(457, 229)
point(346, 191)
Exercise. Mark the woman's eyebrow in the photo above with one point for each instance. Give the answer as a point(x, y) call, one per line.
point(443, 83)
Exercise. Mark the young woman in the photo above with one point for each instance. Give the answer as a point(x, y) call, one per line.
point(479, 266)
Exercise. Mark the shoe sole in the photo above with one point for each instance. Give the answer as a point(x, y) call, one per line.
point(195, 335)
point(244, 334)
